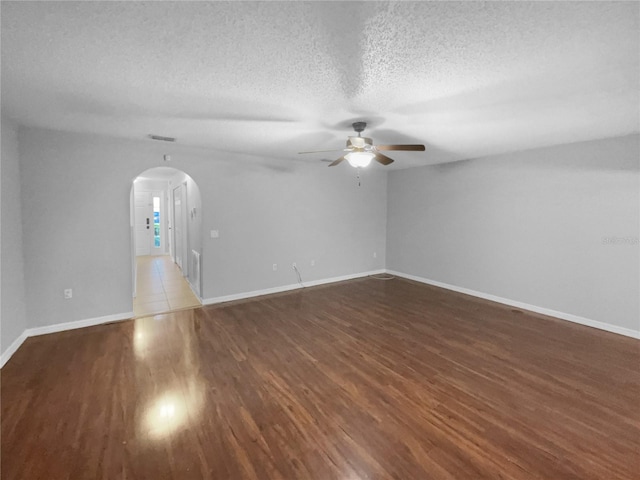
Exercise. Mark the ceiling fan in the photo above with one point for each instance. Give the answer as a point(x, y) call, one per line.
point(361, 150)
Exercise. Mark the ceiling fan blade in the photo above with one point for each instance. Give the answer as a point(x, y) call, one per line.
point(322, 151)
point(383, 159)
point(414, 148)
point(336, 162)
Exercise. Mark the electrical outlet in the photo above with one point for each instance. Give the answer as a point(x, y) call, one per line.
point(68, 293)
point(275, 267)
point(313, 263)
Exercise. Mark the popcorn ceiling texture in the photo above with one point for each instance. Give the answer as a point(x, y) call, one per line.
point(271, 78)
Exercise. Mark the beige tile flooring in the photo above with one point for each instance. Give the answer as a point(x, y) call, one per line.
point(160, 287)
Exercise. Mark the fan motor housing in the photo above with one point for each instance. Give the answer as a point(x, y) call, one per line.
point(359, 126)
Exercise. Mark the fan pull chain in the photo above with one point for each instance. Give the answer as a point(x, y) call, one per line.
point(358, 175)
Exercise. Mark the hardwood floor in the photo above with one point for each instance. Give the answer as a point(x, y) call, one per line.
point(364, 379)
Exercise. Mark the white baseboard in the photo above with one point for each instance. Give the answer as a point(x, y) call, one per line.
point(286, 288)
point(6, 355)
point(89, 322)
point(525, 306)
point(60, 327)
point(193, 290)
point(313, 283)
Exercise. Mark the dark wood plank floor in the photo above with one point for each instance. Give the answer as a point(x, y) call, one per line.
point(365, 379)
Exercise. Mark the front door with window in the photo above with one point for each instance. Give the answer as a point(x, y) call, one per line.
point(143, 225)
point(149, 218)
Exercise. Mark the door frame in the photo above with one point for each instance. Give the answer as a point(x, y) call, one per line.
point(192, 218)
point(148, 214)
point(163, 221)
point(184, 229)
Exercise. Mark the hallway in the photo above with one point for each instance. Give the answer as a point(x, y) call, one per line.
point(160, 287)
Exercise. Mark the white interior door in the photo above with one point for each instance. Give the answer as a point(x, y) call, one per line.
point(168, 217)
point(143, 222)
point(186, 253)
point(178, 226)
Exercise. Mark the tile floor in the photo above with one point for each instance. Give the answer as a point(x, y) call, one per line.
point(161, 287)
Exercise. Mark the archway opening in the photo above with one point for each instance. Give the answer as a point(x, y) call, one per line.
point(166, 241)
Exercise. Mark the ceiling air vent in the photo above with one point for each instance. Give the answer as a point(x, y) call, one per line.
point(161, 138)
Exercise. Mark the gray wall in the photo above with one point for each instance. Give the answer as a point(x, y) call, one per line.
point(527, 226)
point(12, 311)
point(76, 193)
point(531, 227)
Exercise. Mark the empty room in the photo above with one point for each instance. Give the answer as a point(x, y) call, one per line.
point(320, 240)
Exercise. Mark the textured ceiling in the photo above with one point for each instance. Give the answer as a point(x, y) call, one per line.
point(272, 78)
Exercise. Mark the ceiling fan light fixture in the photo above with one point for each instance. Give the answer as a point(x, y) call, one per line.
point(361, 150)
point(359, 159)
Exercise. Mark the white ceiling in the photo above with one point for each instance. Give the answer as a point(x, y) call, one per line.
point(273, 78)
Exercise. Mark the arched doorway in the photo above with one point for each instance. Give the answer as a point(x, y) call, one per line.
point(166, 241)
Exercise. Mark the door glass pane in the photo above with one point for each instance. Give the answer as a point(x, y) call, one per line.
point(156, 222)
